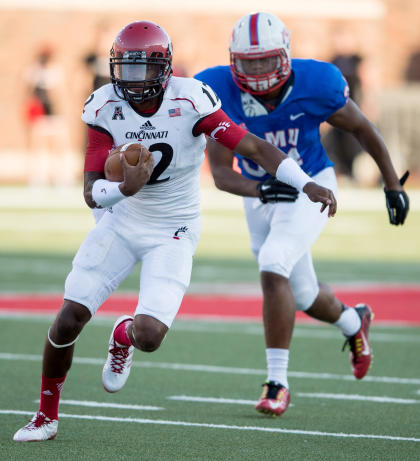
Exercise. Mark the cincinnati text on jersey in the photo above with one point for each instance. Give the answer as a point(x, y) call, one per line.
point(142, 134)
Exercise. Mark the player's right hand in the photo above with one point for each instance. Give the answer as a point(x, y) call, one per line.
point(317, 193)
point(136, 176)
point(273, 191)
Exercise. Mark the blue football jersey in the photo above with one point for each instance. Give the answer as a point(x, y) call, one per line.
point(319, 89)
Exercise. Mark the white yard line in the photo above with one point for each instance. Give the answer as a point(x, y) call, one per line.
point(223, 426)
point(219, 369)
point(364, 398)
point(246, 326)
point(189, 398)
point(93, 404)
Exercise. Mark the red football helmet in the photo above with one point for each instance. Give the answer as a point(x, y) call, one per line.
point(141, 61)
point(260, 53)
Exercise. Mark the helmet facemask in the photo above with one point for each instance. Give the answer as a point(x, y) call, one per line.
point(260, 53)
point(141, 61)
point(138, 77)
point(260, 73)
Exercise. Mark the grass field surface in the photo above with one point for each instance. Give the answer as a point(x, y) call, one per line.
point(41, 229)
point(193, 398)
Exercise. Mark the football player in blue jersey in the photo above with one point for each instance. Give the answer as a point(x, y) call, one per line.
point(284, 101)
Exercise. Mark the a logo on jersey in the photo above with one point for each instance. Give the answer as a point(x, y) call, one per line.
point(174, 112)
point(118, 113)
point(222, 126)
point(146, 131)
point(251, 107)
point(295, 116)
point(180, 230)
point(147, 126)
point(285, 138)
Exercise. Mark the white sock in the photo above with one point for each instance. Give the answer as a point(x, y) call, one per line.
point(277, 363)
point(349, 322)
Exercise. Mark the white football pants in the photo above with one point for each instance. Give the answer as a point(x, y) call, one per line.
point(282, 235)
point(113, 248)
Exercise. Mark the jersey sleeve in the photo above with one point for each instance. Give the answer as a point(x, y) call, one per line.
point(219, 78)
point(220, 128)
point(330, 89)
point(204, 98)
point(100, 140)
point(92, 113)
point(89, 109)
point(97, 150)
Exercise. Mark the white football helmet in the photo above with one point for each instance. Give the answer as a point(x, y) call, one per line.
point(260, 53)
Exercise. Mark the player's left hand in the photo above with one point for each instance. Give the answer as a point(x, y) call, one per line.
point(397, 203)
point(317, 193)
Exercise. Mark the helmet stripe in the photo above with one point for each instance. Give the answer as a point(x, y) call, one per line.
point(253, 29)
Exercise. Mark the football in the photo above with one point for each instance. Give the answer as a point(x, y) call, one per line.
point(113, 169)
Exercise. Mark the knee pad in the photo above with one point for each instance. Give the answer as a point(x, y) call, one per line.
point(305, 296)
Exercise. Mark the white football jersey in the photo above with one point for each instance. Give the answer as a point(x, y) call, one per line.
point(173, 191)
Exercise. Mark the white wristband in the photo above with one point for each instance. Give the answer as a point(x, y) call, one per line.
point(289, 172)
point(106, 193)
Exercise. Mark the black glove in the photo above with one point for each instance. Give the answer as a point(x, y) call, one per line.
point(272, 190)
point(397, 203)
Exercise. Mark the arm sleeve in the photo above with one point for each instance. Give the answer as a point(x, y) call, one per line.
point(221, 128)
point(100, 142)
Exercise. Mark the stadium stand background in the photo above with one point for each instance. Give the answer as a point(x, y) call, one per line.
point(384, 32)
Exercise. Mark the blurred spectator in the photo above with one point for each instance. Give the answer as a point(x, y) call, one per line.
point(400, 118)
point(99, 67)
point(412, 73)
point(341, 146)
point(40, 78)
point(349, 66)
point(97, 59)
point(46, 130)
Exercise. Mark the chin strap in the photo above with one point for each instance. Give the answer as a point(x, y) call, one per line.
point(60, 346)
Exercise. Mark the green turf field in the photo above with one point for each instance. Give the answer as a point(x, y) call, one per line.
point(204, 381)
point(41, 230)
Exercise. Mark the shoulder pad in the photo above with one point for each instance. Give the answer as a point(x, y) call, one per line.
point(96, 101)
point(323, 87)
point(202, 97)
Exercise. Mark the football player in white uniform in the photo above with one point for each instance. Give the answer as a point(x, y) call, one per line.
point(153, 215)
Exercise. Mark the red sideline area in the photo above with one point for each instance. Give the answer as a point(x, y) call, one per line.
point(390, 304)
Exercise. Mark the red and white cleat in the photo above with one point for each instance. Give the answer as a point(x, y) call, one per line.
point(274, 399)
point(118, 364)
point(38, 429)
point(360, 350)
